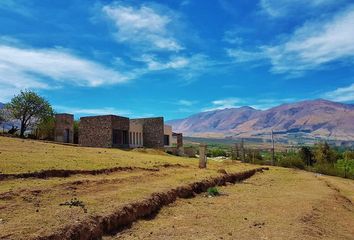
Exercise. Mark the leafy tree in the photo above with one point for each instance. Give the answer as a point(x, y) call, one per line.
point(324, 154)
point(29, 108)
point(306, 155)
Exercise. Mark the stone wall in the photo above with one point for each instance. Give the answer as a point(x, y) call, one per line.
point(97, 131)
point(64, 128)
point(153, 129)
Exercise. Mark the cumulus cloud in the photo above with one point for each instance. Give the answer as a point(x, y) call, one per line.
point(343, 94)
point(49, 68)
point(145, 27)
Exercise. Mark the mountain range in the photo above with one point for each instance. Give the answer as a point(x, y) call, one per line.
point(306, 119)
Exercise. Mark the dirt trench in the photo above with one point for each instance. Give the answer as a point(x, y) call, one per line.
point(96, 227)
point(67, 173)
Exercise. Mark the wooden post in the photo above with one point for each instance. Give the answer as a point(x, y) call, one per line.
point(273, 155)
point(202, 156)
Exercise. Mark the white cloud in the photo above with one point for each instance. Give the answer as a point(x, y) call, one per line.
point(315, 44)
point(188, 68)
point(284, 8)
point(186, 103)
point(311, 46)
point(344, 94)
point(15, 6)
point(223, 103)
point(92, 111)
point(144, 27)
point(246, 56)
point(153, 64)
point(49, 68)
point(232, 37)
point(264, 104)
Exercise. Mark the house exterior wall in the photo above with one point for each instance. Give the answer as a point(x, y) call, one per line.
point(153, 131)
point(64, 128)
point(168, 132)
point(97, 131)
point(136, 134)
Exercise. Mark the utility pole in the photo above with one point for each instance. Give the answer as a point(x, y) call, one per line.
point(242, 151)
point(273, 157)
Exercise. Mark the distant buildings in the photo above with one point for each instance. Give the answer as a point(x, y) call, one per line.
point(114, 131)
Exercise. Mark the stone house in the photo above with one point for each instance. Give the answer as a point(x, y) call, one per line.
point(120, 132)
point(64, 128)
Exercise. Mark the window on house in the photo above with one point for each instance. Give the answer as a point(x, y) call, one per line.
point(120, 137)
point(125, 137)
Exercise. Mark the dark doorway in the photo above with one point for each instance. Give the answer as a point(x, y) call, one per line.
point(67, 136)
point(120, 137)
point(166, 140)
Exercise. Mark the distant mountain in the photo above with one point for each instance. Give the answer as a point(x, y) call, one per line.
point(312, 119)
point(1, 105)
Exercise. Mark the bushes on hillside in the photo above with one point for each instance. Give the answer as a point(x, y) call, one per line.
point(292, 161)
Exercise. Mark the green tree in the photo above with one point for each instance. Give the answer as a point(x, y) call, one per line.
point(29, 108)
point(322, 153)
point(306, 155)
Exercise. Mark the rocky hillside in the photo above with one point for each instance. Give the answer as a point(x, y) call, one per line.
point(315, 118)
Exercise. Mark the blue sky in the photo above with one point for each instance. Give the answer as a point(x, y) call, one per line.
point(175, 58)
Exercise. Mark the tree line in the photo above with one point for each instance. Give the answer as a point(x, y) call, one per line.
point(321, 158)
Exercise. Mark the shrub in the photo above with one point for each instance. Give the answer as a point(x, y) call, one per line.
point(346, 167)
point(327, 169)
point(217, 152)
point(213, 191)
point(291, 161)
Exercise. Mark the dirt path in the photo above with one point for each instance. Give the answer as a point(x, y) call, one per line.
point(277, 204)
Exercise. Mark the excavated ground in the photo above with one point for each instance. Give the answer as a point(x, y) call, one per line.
point(91, 205)
point(277, 204)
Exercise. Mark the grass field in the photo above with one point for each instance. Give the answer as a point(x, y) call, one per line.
point(31, 207)
point(277, 203)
